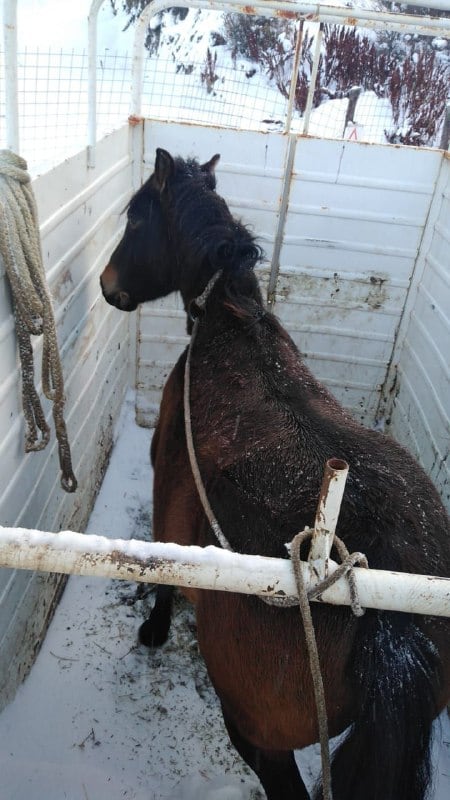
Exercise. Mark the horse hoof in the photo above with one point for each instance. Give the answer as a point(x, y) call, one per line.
point(153, 635)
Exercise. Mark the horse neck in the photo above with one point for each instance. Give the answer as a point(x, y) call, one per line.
point(213, 282)
point(209, 240)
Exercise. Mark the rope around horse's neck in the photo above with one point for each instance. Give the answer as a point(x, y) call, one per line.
point(21, 253)
point(199, 303)
point(304, 597)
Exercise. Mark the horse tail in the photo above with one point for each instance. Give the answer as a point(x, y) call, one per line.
point(396, 678)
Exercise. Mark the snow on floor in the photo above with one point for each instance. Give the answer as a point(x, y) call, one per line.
point(100, 718)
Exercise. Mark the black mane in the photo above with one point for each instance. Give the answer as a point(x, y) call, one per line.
point(202, 220)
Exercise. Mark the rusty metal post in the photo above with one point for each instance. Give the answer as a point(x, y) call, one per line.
point(330, 498)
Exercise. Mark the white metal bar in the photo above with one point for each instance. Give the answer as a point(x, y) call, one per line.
point(92, 80)
point(330, 498)
point(294, 77)
point(284, 202)
point(211, 568)
point(313, 80)
point(11, 78)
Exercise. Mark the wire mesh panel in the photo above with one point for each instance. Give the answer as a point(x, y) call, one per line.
point(235, 70)
point(53, 102)
point(211, 93)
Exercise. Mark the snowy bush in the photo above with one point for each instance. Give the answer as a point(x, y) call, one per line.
point(418, 90)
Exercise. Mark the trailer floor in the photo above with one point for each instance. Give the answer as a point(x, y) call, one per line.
point(100, 718)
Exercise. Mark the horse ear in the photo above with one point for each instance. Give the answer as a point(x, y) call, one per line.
point(164, 167)
point(211, 164)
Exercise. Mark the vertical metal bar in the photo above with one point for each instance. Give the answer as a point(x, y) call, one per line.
point(445, 135)
point(331, 493)
point(312, 83)
point(294, 77)
point(287, 179)
point(11, 78)
point(92, 81)
point(138, 62)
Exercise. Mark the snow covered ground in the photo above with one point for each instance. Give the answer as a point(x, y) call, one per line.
point(101, 718)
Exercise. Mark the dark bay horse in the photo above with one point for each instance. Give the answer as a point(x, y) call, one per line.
point(263, 428)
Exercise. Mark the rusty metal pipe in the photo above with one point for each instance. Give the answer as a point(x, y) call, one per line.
point(330, 498)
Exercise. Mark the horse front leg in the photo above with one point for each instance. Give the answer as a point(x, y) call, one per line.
point(277, 770)
point(155, 630)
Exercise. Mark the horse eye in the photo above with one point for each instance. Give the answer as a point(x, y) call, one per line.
point(134, 223)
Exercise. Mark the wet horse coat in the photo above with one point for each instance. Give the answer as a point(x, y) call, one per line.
point(263, 428)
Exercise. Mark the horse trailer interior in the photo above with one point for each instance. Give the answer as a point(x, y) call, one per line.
point(356, 240)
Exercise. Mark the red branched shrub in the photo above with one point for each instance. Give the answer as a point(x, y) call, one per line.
point(418, 90)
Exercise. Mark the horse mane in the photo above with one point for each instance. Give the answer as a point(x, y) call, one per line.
point(206, 222)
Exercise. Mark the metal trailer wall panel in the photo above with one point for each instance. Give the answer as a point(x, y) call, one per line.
point(421, 384)
point(351, 237)
point(79, 219)
point(354, 224)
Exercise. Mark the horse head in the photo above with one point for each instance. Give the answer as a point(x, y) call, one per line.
point(146, 263)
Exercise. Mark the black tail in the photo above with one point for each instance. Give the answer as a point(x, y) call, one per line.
point(386, 755)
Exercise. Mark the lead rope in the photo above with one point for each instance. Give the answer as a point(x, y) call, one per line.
point(304, 596)
point(21, 252)
point(199, 302)
point(304, 599)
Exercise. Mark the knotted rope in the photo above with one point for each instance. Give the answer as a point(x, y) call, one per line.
point(304, 596)
point(21, 252)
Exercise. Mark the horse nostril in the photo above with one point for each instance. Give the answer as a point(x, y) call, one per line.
point(122, 300)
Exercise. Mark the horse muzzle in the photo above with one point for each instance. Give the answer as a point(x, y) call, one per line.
point(120, 300)
point(113, 294)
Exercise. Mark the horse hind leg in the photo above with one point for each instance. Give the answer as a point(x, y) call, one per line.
point(155, 630)
point(276, 770)
point(396, 682)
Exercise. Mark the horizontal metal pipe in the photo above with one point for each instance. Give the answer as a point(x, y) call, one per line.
point(212, 568)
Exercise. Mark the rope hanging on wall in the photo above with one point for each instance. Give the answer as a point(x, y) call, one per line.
point(21, 252)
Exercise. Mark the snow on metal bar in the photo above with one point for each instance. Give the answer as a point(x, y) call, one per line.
point(211, 568)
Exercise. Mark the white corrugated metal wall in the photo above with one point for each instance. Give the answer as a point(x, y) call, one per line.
point(79, 218)
point(421, 367)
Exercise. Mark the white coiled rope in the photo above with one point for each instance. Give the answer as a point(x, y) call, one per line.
point(21, 252)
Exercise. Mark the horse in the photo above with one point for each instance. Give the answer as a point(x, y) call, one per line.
point(262, 429)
